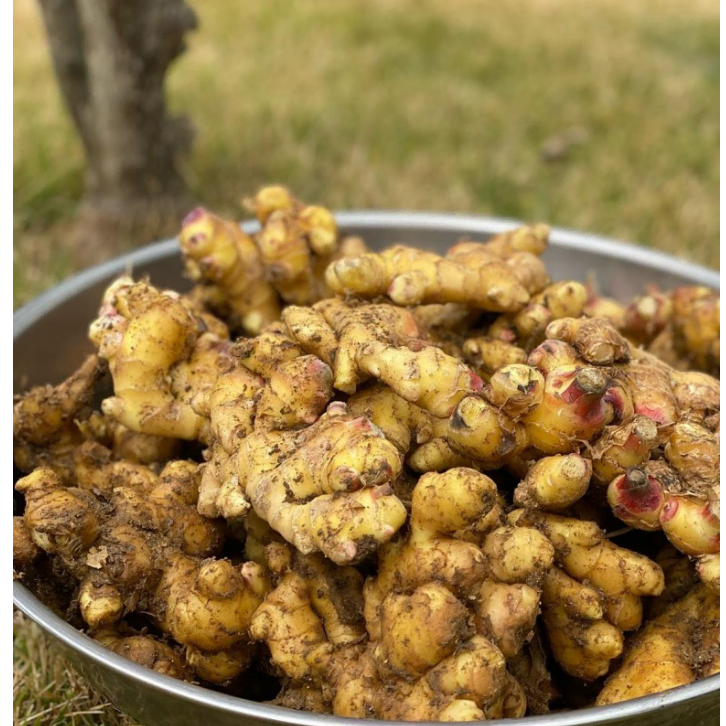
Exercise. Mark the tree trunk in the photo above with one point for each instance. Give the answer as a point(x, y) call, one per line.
point(111, 57)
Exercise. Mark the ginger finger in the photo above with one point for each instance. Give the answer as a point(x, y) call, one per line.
point(554, 482)
point(662, 655)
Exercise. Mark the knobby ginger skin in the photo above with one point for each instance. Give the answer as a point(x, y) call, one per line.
point(472, 274)
point(161, 356)
point(674, 649)
point(344, 458)
point(145, 548)
point(593, 595)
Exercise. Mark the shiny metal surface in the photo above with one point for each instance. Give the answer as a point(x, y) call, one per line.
point(50, 341)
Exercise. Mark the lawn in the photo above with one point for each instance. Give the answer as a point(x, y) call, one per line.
point(600, 116)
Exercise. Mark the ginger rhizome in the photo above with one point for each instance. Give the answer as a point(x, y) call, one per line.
point(47, 420)
point(426, 487)
point(161, 355)
point(142, 547)
point(249, 278)
point(676, 648)
point(319, 477)
point(593, 593)
point(500, 275)
point(448, 572)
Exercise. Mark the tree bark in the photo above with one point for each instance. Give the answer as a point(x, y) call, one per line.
point(111, 58)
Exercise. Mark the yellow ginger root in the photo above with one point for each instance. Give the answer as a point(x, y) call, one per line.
point(698, 397)
point(144, 649)
point(218, 253)
point(478, 432)
point(404, 424)
point(554, 482)
point(622, 447)
point(481, 431)
point(646, 316)
point(676, 648)
point(456, 540)
point(680, 577)
point(442, 670)
point(160, 356)
point(595, 340)
point(270, 199)
point(599, 306)
point(316, 224)
point(94, 535)
point(681, 328)
point(483, 276)
point(251, 277)
point(578, 402)
point(296, 248)
point(652, 393)
point(144, 549)
point(96, 470)
point(593, 595)
point(61, 521)
point(287, 391)
point(128, 445)
point(207, 606)
point(442, 505)
point(313, 603)
point(560, 300)
point(708, 568)
point(381, 341)
point(697, 327)
point(25, 551)
point(532, 238)
point(325, 487)
point(47, 420)
point(220, 667)
point(680, 495)
point(472, 684)
point(488, 355)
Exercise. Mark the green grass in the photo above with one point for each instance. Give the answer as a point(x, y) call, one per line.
point(46, 690)
point(417, 104)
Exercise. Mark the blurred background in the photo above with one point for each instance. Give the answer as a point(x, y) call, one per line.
point(600, 116)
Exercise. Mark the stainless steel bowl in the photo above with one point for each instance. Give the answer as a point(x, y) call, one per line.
point(50, 341)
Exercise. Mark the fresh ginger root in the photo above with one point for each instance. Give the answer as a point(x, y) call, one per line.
point(322, 482)
point(681, 327)
point(498, 275)
point(144, 549)
point(47, 420)
point(220, 255)
point(554, 482)
point(326, 487)
point(272, 385)
point(144, 649)
point(252, 276)
point(446, 670)
point(679, 495)
point(382, 342)
point(676, 648)
point(593, 594)
point(161, 356)
point(456, 539)
point(129, 445)
point(376, 569)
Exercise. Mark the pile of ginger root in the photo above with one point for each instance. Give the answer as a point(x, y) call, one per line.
point(393, 485)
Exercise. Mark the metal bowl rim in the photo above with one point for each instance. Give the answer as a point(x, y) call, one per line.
point(465, 224)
